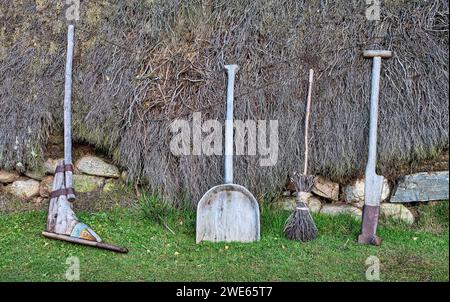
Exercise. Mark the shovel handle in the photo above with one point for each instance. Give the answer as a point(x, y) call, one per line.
point(385, 54)
point(231, 71)
point(374, 182)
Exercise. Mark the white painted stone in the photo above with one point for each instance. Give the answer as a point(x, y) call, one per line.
point(397, 211)
point(326, 188)
point(25, 189)
point(8, 177)
point(337, 209)
point(354, 193)
point(93, 165)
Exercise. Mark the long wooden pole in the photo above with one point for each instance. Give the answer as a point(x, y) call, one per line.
point(96, 244)
point(68, 109)
point(229, 140)
point(308, 112)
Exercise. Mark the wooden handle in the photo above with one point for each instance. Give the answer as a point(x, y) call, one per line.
point(229, 137)
point(385, 54)
point(308, 110)
point(68, 109)
point(96, 244)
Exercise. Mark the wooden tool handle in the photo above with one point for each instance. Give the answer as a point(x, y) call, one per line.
point(308, 111)
point(229, 137)
point(101, 245)
point(385, 54)
point(68, 109)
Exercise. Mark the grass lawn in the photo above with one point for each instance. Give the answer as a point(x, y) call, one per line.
point(408, 253)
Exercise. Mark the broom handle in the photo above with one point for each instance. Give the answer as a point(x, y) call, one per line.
point(231, 71)
point(308, 110)
point(68, 108)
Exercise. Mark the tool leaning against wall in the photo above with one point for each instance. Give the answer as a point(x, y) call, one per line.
point(373, 182)
point(300, 224)
point(228, 212)
point(62, 223)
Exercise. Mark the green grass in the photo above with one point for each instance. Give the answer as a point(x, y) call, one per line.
point(408, 253)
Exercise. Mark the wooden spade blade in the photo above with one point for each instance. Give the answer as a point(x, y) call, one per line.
point(228, 213)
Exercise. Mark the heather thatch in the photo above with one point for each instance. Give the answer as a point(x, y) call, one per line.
point(141, 64)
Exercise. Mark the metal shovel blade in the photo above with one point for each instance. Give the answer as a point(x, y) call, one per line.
point(228, 213)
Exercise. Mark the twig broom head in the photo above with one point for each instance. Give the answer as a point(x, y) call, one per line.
point(300, 225)
point(303, 183)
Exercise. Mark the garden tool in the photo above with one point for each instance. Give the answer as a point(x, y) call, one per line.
point(62, 223)
point(228, 212)
point(373, 182)
point(300, 225)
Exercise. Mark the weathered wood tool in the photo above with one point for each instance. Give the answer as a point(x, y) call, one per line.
point(228, 212)
point(373, 181)
point(62, 223)
point(300, 224)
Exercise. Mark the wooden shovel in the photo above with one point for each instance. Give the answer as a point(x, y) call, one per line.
point(228, 212)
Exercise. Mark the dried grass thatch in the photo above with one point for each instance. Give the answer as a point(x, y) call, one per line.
point(141, 64)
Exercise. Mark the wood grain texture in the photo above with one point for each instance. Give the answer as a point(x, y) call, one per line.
point(68, 109)
point(101, 245)
point(69, 184)
point(61, 218)
point(228, 213)
point(385, 54)
point(58, 183)
point(308, 113)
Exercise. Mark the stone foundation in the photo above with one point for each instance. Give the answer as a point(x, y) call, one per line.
point(92, 174)
point(95, 173)
point(398, 197)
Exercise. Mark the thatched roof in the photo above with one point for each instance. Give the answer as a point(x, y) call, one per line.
point(141, 64)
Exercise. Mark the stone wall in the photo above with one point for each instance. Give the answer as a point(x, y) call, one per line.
point(95, 173)
point(399, 196)
point(92, 174)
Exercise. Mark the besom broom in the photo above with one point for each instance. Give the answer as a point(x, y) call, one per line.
point(300, 224)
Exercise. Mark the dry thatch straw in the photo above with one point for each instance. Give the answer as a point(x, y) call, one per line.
point(141, 64)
